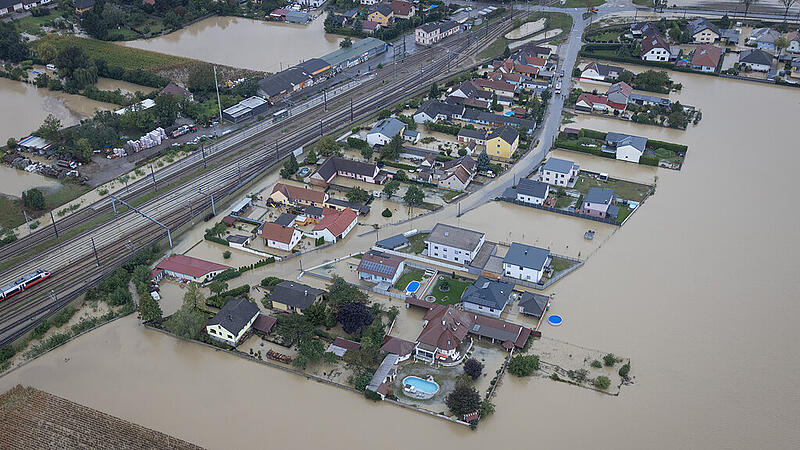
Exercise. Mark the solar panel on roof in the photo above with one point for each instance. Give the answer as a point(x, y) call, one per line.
point(375, 267)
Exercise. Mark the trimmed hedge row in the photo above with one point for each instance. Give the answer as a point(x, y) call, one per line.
point(219, 300)
point(592, 134)
point(649, 160)
point(399, 165)
point(216, 239)
point(578, 148)
point(677, 148)
point(443, 128)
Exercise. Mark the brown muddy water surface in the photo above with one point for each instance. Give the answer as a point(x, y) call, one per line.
point(259, 45)
point(699, 289)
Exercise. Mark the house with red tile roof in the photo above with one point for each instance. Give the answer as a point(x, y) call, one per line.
point(705, 58)
point(335, 225)
point(400, 347)
point(655, 48)
point(379, 267)
point(280, 236)
point(185, 268)
point(286, 194)
point(619, 94)
point(591, 102)
point(494, 86)
point(403, 9)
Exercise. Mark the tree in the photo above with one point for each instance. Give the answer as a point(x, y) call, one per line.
point(346, 43)
point(434, 91)
point(226, 254)
point(462, 152)
point(327, 146)
point(625, 370)
point(341, 292)
point(463, 399)
point(309, 352)
point(473, 368)
point(34, 199)
point(290, 167)
point(391, 151)
point(391, 187)
point(387, 213)
point(247, 88)
point(487, 408)
point(11, 143)
point(201, 79)
point(173, 20)
point(523, 366)
point(12, 46)
point(166, 109)
point(400, 176)
point(149, 309)
point(602, 382)
point(366, 152)
point(83, 149)
point(747, 4)
point(50, 128)
point(188, 322)
point(781, 43)
point(483, 161)
point(356, 195)
point(414, 196)
point(506, 52)
point(317, 313)
point(609, 360)
point(293, 328)
point(354, 317)
point(786, 5)
point(70, 59)
point(675, 32)
point(362, 380)
point(217, 287)
point(384, 114)
point(311, 157)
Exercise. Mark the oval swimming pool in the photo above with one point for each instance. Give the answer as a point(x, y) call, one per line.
point(412, 287)
point(419, 388)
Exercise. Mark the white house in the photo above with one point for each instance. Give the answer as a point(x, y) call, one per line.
point(453, 244)
point(559, 172)
point(384, 131)
point(703, 31)
point(311, 3)
point(9, 6)
point(233, 321)
point(654, 48)
point(487, 297)
point(427, 34)
point(526, 262)
point(335, 225)
point(599, 72)
point(627, 147)
point(533, 192)
point(280, 236)
point(378, 267)
point(794, 42)
point(755, 59)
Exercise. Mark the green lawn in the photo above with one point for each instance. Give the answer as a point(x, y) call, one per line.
point(496, 48)
point(31, 24)
point(409, 276)
point(416, 243)
point(643, 3)
point(563, 202)
point(450, 195)
point(559, 264)
point(452, 296)
point(623, 189)
point(579, 3)
point(624, 212)
point(607, 36)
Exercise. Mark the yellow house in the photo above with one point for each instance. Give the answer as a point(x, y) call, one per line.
point(294, 297)
point(502, 142)
point(382, 14)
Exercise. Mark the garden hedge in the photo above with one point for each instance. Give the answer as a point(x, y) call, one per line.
point(677, 148)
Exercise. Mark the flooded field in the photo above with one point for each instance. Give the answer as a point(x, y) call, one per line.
point(24, 108)
point(259, 45)
point(107, 84)
point(701, 295)
point(14, 181)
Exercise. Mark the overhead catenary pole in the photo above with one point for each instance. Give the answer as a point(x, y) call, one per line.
point(351, 109)
point(96, 258)
point(202, 150)
point(213, 209)
point(169, 234)
point(54, 223)
point(153, 174)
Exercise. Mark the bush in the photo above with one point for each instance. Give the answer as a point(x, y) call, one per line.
point(219, 300)
point(649, 160)
point(372, 395)
point(227, 274)
point(596, 364)
point(625, 370)
point(677, 148)
point(386, 213)
point(362, 381)
point(523, 366)
point(270, 282)
point(609, 360)
point(593, 134)
point(602, 382)
point(319, 241)
point(473, 368)
point(226, 254)
point(356, 143)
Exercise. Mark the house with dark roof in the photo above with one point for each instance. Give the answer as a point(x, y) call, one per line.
point(755, 59)
point(335, 225)
point(379, 267)
point(487, 297)
point(341, 204)
point(232, 322)
point(403, 9)
point(559, 172)
point(294, 297)
point(281, 237)
point(435, 110)
point(382, 14)
point(318, 68)
point(287, 194)
point(705, 58)
point(641, 29)
point(350, 168)
point(174, 89)
point(264, 323)
point(625, 146)
point(456, 179)
point(600, 72)
point(764, 38)
point(188, 269)
point(533, 304)
point(703, 31)
point(643, 99)
point(285, 82)
point(395, 242)
point(533, 192)
point(526, 262)
point(476, 135)
point(502, 142)
point(400, 347)
point(600, 202)
point(793, 38)
point(655, 48)
point(285, 219)
point(453, 244)
point(9, 6)
point(81, 6)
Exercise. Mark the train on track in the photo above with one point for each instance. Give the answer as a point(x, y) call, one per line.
point(23, 283)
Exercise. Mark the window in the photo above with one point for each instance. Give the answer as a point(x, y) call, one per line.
point(211, 330)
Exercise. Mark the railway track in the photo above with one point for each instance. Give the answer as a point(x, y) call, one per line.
point(80, 270)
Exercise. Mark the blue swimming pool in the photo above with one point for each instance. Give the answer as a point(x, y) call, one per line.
point(420, 385)
point(555, 320)
point(412, 287)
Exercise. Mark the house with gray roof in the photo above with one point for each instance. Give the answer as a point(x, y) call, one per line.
point(559, 172)
point(384, 130)
point(533, 304)
point(756, 59)
point(764, 38)
point(533, 192)
point(476, 135)
point(232, 322)
point(487, 297)
point(600, 202)
point(379, 267)
point(435, 110)
point(526, 262)
point(703, 31)
point(395, 242)
point(625, 146)
point(350, 168)
point(294, 297)
point(454, 244)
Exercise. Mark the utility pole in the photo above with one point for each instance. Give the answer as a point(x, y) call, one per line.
point(213, 209)
point(219, 104)
point(324, 100)
point(96, 258)
point(54, 223)
point(153, 174)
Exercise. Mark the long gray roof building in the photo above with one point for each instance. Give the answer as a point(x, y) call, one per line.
point(456, 237)
point(558, 165)
point(527, 256)
point(235, 315)
point(488, 293)
point(294, 294)
point(537, 189)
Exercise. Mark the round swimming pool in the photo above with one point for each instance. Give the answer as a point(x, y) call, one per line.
point(419, 388)
point(555, 320)
point(412, 287)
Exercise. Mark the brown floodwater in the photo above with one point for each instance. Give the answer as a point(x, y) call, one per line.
point(699, 289)
point(260, 45)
